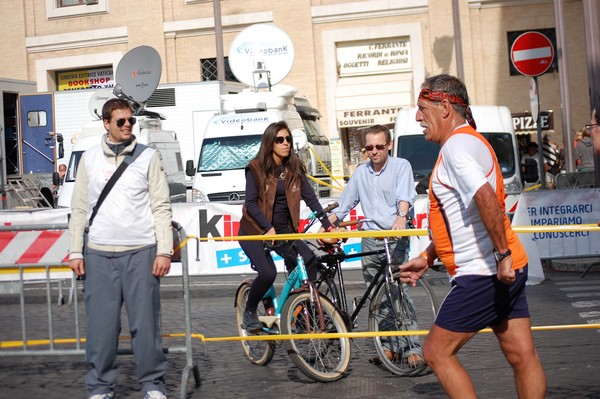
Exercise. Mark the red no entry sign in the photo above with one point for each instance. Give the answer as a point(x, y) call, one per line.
point(532, 53)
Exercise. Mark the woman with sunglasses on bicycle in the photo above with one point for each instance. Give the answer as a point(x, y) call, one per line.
point(275, 183)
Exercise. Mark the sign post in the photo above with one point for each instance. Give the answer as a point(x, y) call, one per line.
point(532, 54)
point(534, 100)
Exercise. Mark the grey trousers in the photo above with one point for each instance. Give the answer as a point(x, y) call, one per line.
point(112, 279)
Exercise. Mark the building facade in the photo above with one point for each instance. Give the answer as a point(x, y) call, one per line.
point(358, 62)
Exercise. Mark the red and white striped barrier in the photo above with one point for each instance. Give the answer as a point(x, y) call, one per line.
point(34, 247)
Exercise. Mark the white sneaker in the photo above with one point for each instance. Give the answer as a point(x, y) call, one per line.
point(154, 395)
point(109, 395)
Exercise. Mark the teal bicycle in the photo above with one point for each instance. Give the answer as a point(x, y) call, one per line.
point(299, 309)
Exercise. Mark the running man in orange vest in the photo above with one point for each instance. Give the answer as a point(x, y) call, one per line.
point(473, 238)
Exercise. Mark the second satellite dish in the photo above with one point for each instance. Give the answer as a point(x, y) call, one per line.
point(138, 73)
point(97, 100)
point(261, 55)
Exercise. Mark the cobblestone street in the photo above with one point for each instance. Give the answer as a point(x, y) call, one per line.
point(571, 358)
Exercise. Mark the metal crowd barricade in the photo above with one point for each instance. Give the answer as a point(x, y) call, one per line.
point(575, 180)
point(36, 345)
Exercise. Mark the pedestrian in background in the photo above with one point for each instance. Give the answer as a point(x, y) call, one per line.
point(551, 155)
point(129, 247)
point(530, 171)
point(472, 236)
point(62, 171)
point(584, 152)
point(577, 135)
point(276, 182)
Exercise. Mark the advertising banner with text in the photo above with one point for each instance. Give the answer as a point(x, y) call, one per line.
point(561, 207)
point(215, 220)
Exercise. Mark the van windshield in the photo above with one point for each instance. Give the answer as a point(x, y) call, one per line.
point(72, 168)
point(503, 145)
point(314, 133)
point(228, 153)
point(422, 154)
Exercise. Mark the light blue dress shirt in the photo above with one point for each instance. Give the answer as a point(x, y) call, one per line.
point(378, 192)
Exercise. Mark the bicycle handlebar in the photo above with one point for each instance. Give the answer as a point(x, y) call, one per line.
point(358, 222)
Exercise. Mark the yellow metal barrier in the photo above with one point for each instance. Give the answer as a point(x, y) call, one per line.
point(281, 337)
point(390, 233)
point(366, 334)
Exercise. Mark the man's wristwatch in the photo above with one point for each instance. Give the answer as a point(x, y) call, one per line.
point(402, 214)
point(500, 257)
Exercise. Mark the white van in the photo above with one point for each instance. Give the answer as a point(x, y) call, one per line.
point(493, 122)
point(231, 140)
point(147, 131)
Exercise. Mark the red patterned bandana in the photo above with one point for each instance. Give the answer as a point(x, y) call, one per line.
point(437, 96)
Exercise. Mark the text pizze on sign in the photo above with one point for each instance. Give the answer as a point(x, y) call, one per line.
point(524, 122)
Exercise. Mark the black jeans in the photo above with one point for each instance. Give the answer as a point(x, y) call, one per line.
point(263, 263)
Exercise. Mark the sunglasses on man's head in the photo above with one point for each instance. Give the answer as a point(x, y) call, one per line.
point(279, 139)
point(121, 121)
point(380, 147)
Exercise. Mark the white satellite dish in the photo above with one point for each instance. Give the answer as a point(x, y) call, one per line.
point(261, 55)
point(97, 100)
point(138, 74)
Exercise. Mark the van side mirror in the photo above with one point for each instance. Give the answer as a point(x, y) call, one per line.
point(61, 148)
point(55, 179)
point(189, 168)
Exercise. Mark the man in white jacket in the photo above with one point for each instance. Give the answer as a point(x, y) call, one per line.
point(128, 249)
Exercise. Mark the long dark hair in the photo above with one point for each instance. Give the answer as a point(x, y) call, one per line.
point(292, 163)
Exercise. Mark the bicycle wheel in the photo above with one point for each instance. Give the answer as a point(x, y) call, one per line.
point(400, 307)
point(323, 360)
point(259, 352)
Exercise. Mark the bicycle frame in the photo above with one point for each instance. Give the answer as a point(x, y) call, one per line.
point(335, 267)
point(334, 261)
point(391, 305)
point(296, 279)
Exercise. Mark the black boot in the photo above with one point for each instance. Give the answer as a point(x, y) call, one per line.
point(251, 322)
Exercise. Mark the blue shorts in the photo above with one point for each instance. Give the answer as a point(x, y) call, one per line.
point(476, 302)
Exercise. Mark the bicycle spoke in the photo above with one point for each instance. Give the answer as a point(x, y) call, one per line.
point(321, 359)
point(402, 308)
point(258, 352)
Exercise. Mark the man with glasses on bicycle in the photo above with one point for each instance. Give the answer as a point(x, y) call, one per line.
point(473, 237)
point(385, 188)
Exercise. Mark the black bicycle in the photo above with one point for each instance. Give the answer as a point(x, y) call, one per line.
point(393, 306)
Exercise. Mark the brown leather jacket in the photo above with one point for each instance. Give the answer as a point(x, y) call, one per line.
point(266, 199)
